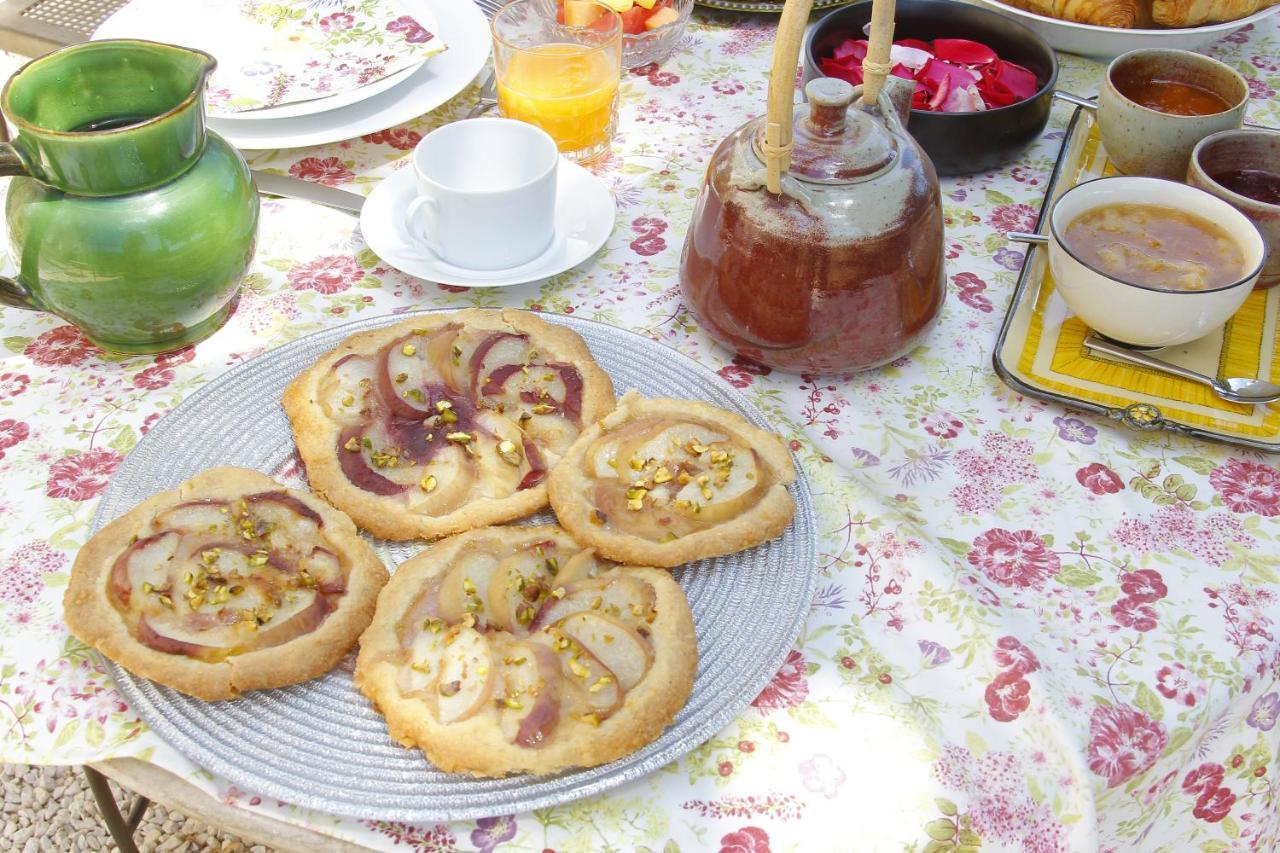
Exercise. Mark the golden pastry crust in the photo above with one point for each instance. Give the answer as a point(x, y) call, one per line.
point(485, 742)
point(1194, 13)
point(638, 460)
point(93, 615)
point(328, 413)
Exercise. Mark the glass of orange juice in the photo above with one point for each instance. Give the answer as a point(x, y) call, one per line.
point(559, 70)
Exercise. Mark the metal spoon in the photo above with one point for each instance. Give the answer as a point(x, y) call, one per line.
point(1236, 390)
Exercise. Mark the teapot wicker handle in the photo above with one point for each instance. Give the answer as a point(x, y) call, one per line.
point(786, 53)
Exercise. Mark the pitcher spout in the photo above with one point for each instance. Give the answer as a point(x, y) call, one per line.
point(109, 117)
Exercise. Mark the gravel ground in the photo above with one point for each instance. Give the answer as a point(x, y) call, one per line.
point(52, 810)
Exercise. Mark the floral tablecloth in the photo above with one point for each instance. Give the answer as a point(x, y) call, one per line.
point(1034, 629)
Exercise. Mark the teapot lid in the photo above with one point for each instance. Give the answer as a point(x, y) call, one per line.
point(835, 144)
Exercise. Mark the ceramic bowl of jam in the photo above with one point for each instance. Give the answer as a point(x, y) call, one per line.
point(958, 143)
point(1150, 262)
point(1154, 106)
point(1242, 167)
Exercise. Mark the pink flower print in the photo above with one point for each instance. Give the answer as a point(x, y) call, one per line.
point(1144, 585)
point(20, 582)
point(328, 274)
point(650, 241)
point(40, 556)
point(970, 289)
point(330, 171)
point(397, 137)
point(178, 356)
point(1012, 654)
point(13, 384)
point(337, 21)
point(1214, 805)
point(749, 839)
point(12, 432)
point(1013, 217)
point(1248, 487)
point(1206, 777)
point(1134, 614)
point(942, 424)
point(64, 345)
point(789, 687)
point(153, 378)
point(1008, 695)
point(1014, 558)
point(1123, 742)
point(742, 372)
point(1265, 712)
point(83, 475)
point(414, 33)
point(822, 776)
point(1176, 682)
point(1099, 479)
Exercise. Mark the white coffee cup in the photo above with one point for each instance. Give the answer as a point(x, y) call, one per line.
point(486, 193)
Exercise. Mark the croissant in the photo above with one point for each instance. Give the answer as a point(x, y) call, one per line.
point(1104, 13)
point(1193, 13)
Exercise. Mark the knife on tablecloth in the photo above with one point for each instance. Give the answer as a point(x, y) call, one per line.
point(290, 187)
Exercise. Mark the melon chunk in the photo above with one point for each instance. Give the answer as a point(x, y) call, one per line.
point(662, 17)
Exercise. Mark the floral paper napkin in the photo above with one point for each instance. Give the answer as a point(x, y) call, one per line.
point(274, 52)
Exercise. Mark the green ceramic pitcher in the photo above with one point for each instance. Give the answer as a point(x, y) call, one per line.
point(129, 218)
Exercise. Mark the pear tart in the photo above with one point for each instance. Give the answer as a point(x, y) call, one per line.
point(663, 482)
point(228, 583)
point(514, 650)
point(444, 423)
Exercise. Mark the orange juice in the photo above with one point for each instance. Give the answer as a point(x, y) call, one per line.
point(568, 90)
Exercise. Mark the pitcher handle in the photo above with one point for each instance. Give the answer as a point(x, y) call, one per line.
point(14, 293)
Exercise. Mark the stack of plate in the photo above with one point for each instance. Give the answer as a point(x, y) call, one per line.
point(381, 104)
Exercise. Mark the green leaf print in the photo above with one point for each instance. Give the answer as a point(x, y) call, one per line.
point(1147, 700)
point(1077, 576)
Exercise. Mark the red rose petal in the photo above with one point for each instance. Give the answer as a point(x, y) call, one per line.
point(852, 49)
point(916, 43)
point(963, 51)
point(832, 68)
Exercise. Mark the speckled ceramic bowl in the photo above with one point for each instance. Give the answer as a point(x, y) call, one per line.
point(1248, 148)
point(1143, 141)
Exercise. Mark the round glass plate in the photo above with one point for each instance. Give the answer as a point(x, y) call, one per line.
point(321, 745)
point(768, 6)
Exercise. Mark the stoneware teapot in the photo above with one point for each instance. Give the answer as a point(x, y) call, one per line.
point(128, 218)
point(816, 244)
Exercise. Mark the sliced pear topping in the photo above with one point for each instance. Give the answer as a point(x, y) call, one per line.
point(622, 651)
point(467, 675)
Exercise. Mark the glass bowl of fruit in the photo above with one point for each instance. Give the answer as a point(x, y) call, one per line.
point(650, 28)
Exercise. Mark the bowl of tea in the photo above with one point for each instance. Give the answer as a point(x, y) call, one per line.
point(1149, 262)
point(1154, 106)
point(1242, 167)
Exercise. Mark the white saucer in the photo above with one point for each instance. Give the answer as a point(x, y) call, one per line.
point(584, 220)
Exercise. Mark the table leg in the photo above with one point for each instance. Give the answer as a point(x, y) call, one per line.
point(121, 828)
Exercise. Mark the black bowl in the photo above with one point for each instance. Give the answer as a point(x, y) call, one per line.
point(957, 143)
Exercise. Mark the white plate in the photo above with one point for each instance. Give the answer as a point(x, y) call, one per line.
point(1106, 43)
point(463, 27)
point(584, 220)
point(149, 19)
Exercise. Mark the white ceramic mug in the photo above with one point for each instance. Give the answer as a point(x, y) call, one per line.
point(486, 193)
